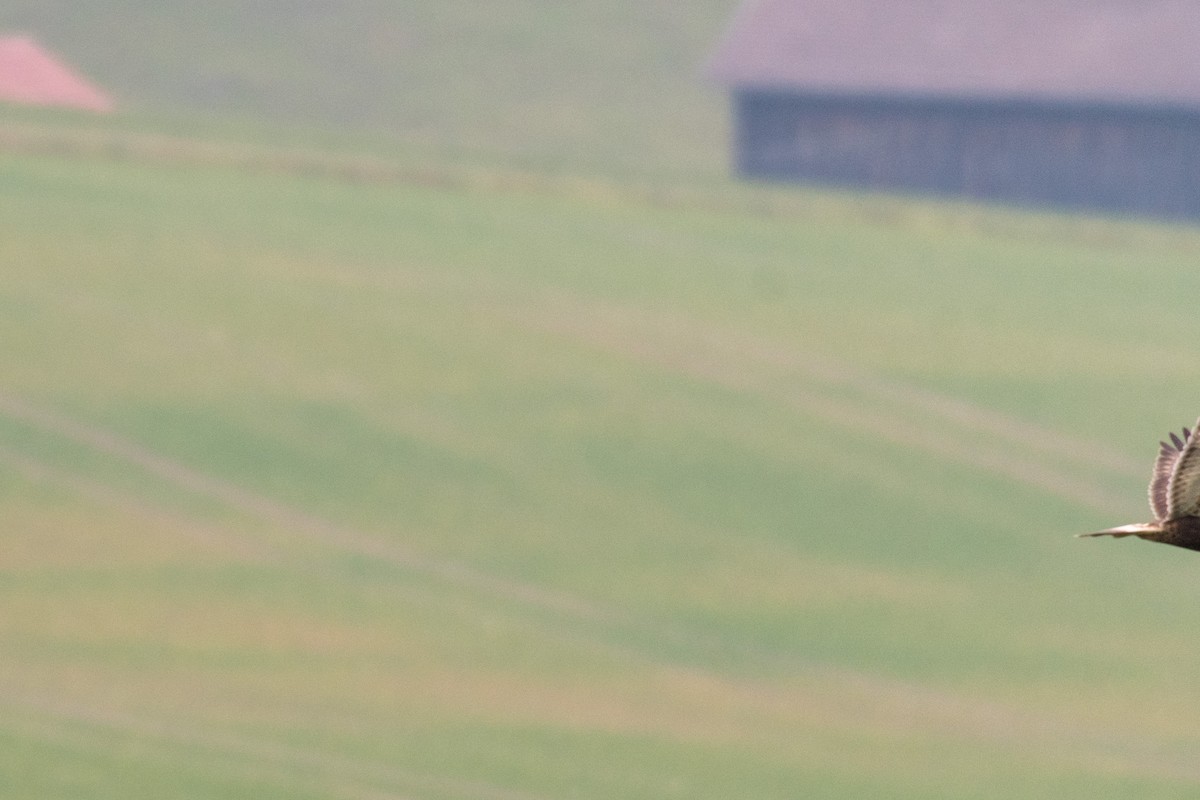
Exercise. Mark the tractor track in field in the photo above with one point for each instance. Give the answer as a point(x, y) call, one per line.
point(951, 429)
point(954, 430)
point(160, 517)
point(923, 707)
point(280, 764)
point(961, 433)
point(480, 609)
point(567, 611)
point(891, 708)
point(295, 520)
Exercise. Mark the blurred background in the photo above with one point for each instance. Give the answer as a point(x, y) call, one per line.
point(420, 401)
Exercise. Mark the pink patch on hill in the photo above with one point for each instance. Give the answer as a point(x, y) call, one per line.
point(30, 75)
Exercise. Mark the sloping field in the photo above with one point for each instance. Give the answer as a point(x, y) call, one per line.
point(322, 490)
point(616, 87)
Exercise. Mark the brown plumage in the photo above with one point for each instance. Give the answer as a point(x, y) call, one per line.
point(1174, 496)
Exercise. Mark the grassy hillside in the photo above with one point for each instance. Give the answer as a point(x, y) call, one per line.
point(561, 489)
point(612, 87)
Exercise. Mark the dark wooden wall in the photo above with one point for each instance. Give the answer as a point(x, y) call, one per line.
point(1127, 160)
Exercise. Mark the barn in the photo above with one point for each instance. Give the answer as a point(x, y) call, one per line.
point(1085, 104)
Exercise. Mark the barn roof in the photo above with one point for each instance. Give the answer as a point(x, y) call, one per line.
point(32, 76)
point(1145, 52)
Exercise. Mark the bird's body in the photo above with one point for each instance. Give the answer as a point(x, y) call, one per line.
point(1182, 532)
point(1174, 496)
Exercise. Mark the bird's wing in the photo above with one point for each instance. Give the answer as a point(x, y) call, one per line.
point(1164, 465)
point(1182, 491)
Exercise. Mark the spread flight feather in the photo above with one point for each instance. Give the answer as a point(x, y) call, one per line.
point(1175, 487)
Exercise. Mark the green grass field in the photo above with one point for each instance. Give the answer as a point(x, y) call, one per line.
point(616, 87)
point(558, 488)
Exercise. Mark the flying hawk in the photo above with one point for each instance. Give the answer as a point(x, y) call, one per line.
point(1174, 496)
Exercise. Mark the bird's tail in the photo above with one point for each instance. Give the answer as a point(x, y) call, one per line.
point(1135, 529)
